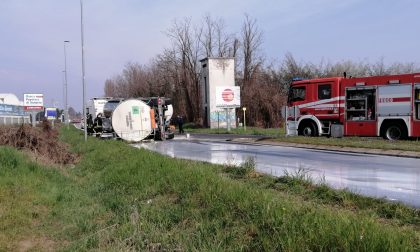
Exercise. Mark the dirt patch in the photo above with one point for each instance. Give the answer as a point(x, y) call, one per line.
point(42, 244)
point(42, 142)
point(25, 245)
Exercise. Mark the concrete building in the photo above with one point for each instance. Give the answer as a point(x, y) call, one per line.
point(11, 110)
point(10, 99)
point(216, 73)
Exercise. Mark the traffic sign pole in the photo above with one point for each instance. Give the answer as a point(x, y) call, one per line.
point(244, 109)
point(228, 119)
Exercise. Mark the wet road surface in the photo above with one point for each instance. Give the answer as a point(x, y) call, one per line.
point(393, 178)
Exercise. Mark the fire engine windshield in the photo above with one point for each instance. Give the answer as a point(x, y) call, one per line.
point(297, 94)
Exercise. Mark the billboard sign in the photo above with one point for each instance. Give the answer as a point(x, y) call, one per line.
point(51, 113)
point(11, 110)
point(33, 102)
point(228, 97)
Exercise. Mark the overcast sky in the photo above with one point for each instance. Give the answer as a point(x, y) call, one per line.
point(117, 32)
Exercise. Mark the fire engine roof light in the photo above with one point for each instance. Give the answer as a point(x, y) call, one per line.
point(360, 84)
point(297, 79)
point(394, 82)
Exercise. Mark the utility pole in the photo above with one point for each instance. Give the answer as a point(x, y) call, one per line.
point(83, 70)
point(66, 109)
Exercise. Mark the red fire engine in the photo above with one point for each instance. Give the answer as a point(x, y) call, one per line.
point(387, 106)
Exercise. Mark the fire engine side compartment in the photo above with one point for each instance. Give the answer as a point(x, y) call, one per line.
point(359, 110)
point(393, 104)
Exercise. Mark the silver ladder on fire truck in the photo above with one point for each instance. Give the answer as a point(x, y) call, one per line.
point(387, 106)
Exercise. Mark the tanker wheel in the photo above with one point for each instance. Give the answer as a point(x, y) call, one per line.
point(158, 137)
point(308, 129)
point(395, 132)
point(171, 135)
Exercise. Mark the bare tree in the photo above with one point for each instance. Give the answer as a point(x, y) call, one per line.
point(251, 43)
point(207, 40)
point(72, 112)
point(225, 41)
point(136, 79)
point(186, 42)
point(109, 88)
point(215, 41)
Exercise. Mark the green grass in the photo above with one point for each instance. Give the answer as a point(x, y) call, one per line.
point(122, 198)
point(300, 184)
point(41, 208)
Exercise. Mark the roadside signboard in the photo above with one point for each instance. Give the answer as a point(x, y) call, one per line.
point(6, 109)
point(51, 113)
point(228, 97)
point(33, 102)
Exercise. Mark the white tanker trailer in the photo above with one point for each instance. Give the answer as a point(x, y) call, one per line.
point(135, 119)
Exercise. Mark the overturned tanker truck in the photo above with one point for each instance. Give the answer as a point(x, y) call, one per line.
point(134, 119)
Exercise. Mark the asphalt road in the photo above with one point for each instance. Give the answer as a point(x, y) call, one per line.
point(393, 178)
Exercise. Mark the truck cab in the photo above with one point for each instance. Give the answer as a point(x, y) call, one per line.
point(313, 105)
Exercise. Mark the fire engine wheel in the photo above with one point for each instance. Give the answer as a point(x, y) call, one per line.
point(395, 132)
point(308, 129)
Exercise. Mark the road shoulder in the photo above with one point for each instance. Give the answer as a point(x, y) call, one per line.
point(270, 141)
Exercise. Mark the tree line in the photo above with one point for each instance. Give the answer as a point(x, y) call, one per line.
point(175, 72)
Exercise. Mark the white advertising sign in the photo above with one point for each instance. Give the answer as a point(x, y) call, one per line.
point(228, 97)
point(33, 102)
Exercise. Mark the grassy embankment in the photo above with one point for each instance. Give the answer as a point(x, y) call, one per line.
point(278, 135)
point(121, 198)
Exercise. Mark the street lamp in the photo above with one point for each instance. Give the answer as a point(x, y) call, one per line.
point(66, 111)
point(244, 109)
point(83, 70)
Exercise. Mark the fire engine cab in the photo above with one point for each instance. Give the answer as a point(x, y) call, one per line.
point(387, 106)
